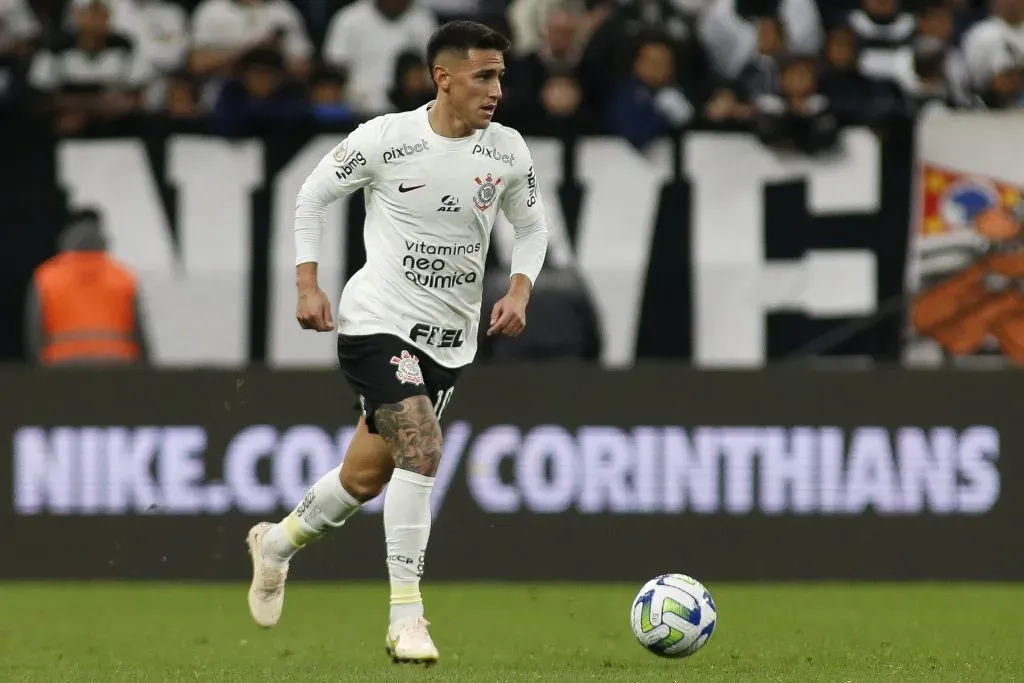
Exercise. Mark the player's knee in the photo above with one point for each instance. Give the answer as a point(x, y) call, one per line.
point(364, 484)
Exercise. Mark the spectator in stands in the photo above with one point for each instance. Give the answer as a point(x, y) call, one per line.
point(225, 30)
point(855, 98)
point(262, 96)
point(928, 67)
point(181, 101)
point(412, 86)
point(937, 24)
point(760, 76)
point(650, 103)
point(543, 86)
point(328, 93)
point(798, 118)
point(730, 38)
point(883, 29)
point(994, 53)
point(562, 47)
point(1005, 89)
point(530, 22)
point(160, 31)
point(160, 28)
point(83, 306)
point(92, 73)
point(18, 31)
point(924, 79)
point(615, 29)
point(366, 39)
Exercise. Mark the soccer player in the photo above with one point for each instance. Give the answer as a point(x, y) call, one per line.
point(434, 180)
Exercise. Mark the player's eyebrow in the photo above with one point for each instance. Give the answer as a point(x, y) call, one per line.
point(488, 70)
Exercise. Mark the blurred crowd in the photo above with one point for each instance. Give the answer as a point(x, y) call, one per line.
point(795, 70)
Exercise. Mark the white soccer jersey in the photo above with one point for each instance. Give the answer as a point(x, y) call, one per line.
point(431, 202)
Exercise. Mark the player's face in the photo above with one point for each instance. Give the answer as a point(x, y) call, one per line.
point(474, 86)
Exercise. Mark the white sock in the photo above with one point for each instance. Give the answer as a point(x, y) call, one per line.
point(327, 505)
point(407, 527)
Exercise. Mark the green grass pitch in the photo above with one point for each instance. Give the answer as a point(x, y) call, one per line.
point(831, 633)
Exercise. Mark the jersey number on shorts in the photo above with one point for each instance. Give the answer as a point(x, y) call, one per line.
point(441, 403)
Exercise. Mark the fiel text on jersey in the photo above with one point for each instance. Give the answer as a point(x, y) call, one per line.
point(437, 336)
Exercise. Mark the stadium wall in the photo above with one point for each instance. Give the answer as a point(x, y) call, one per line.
point(555, 472)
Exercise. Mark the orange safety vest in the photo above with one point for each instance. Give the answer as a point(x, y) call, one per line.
point(87, 302)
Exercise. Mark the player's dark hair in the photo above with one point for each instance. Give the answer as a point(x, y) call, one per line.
point(462, 36)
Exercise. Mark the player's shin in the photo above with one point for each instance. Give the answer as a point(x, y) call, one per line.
point(407, 528)
point(326, 505)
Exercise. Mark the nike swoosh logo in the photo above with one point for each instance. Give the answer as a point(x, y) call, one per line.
point(403, 188)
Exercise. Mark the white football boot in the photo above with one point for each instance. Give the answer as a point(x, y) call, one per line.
point(409, 641)
point(266, 592)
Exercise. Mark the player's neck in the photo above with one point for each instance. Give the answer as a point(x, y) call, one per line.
point(444, 122)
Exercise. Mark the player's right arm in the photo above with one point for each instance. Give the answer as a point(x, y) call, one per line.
point(345, 169)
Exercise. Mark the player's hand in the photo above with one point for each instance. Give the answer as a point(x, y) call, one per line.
point(314, 311)
point(508, 316)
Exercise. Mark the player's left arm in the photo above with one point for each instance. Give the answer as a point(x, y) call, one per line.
point(524, 208)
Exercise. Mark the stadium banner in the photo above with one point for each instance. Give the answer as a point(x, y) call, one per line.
point(965, 256)
point(549, 473)
point(708, 247)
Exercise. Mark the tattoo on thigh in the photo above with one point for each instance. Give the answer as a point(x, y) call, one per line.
point(411, 429)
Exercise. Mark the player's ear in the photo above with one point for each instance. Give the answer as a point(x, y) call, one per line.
point(441, 78)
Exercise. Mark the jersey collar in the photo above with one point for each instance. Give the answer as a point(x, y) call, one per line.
point(452, 142)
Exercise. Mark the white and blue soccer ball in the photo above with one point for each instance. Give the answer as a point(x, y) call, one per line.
point(673, 615)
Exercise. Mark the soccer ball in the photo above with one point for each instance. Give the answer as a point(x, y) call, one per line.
point(673, 615)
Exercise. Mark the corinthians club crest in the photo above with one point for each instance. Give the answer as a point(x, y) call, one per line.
point(487, 192)
point(408, 371)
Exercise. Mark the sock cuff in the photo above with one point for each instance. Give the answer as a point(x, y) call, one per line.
point(345, 497)
point(405, 593)
point(406, 599)
point(413, 478)
point(296, 531)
